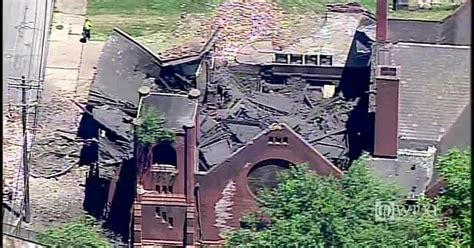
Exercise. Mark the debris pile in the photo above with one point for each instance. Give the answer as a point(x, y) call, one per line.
point(241, 23)
point(253, 103)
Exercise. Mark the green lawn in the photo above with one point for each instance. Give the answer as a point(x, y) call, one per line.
point(154, 22)
point(298, 6)
point(146, 7)
point(158, 23)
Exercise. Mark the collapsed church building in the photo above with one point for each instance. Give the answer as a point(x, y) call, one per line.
point(237, 125)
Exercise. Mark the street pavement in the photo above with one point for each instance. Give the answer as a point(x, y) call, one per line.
point(25, 34)
point(68, 73)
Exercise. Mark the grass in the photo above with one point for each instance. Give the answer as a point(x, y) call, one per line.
point(298, 6)
point(155, 22)
point(146, 7)
point(158, 23)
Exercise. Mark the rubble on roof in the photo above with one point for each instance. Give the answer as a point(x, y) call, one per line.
point(124, 66)
point(216, 153)
point(333, 37)
point(322, 122)
point(177, 110)
point(114, 120)
point(192, 48)
point(237, 107)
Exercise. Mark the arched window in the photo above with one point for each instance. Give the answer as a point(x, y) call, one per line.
point(164, 154)
point(265, 174)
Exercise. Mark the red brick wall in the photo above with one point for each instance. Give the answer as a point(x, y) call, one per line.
point(237, 168)
point(149, 183)
point(153, 228)
point(386, 118)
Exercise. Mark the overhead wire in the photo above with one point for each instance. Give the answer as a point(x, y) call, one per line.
point(32, 98)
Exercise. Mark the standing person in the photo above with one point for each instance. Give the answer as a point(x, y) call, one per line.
point(87, 29)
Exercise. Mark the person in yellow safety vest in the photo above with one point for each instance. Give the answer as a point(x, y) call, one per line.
point(87, 29)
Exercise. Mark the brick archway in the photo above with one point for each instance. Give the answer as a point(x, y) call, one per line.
point(164, 154)
point(264, 174)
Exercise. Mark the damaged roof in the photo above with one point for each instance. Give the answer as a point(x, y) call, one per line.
point(178, 111)
point(334, 37)
point(123, 67)
point(245, 112)
point(115, 120)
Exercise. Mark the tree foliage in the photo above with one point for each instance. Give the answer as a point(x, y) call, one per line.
point(455, 202)
point(307, 210)
point(82, 232)
point(152, 129)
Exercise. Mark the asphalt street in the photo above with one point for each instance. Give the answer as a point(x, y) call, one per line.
point(26, 26)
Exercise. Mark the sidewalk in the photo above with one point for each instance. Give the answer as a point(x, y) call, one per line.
point(69, 72)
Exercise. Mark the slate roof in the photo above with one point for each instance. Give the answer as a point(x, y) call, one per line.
point(459, 135)
point(434, 95)
point(434, 88)
point(123, 67)
point(177, 110)
point(115, 120)
point(216, 153)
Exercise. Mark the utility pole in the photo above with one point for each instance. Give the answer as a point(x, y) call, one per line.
point(26, 169)
point(24, 85)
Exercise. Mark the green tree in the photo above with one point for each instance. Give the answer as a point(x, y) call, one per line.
point(307, 210)
point(455, 202)
point(81, 232)
point(152, 129)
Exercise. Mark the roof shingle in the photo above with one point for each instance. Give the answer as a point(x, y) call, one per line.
point(434, 88)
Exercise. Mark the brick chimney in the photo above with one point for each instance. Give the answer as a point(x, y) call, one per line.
point(382, 21)
point(386, 111)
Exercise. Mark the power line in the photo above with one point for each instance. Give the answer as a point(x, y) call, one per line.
point(28, 97)
point(24, 86)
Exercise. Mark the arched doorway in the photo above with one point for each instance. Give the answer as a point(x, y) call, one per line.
point(164, 154)
point(264, 175)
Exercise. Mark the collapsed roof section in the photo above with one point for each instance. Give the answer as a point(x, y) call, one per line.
point(124, 66)
point(247, 106)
